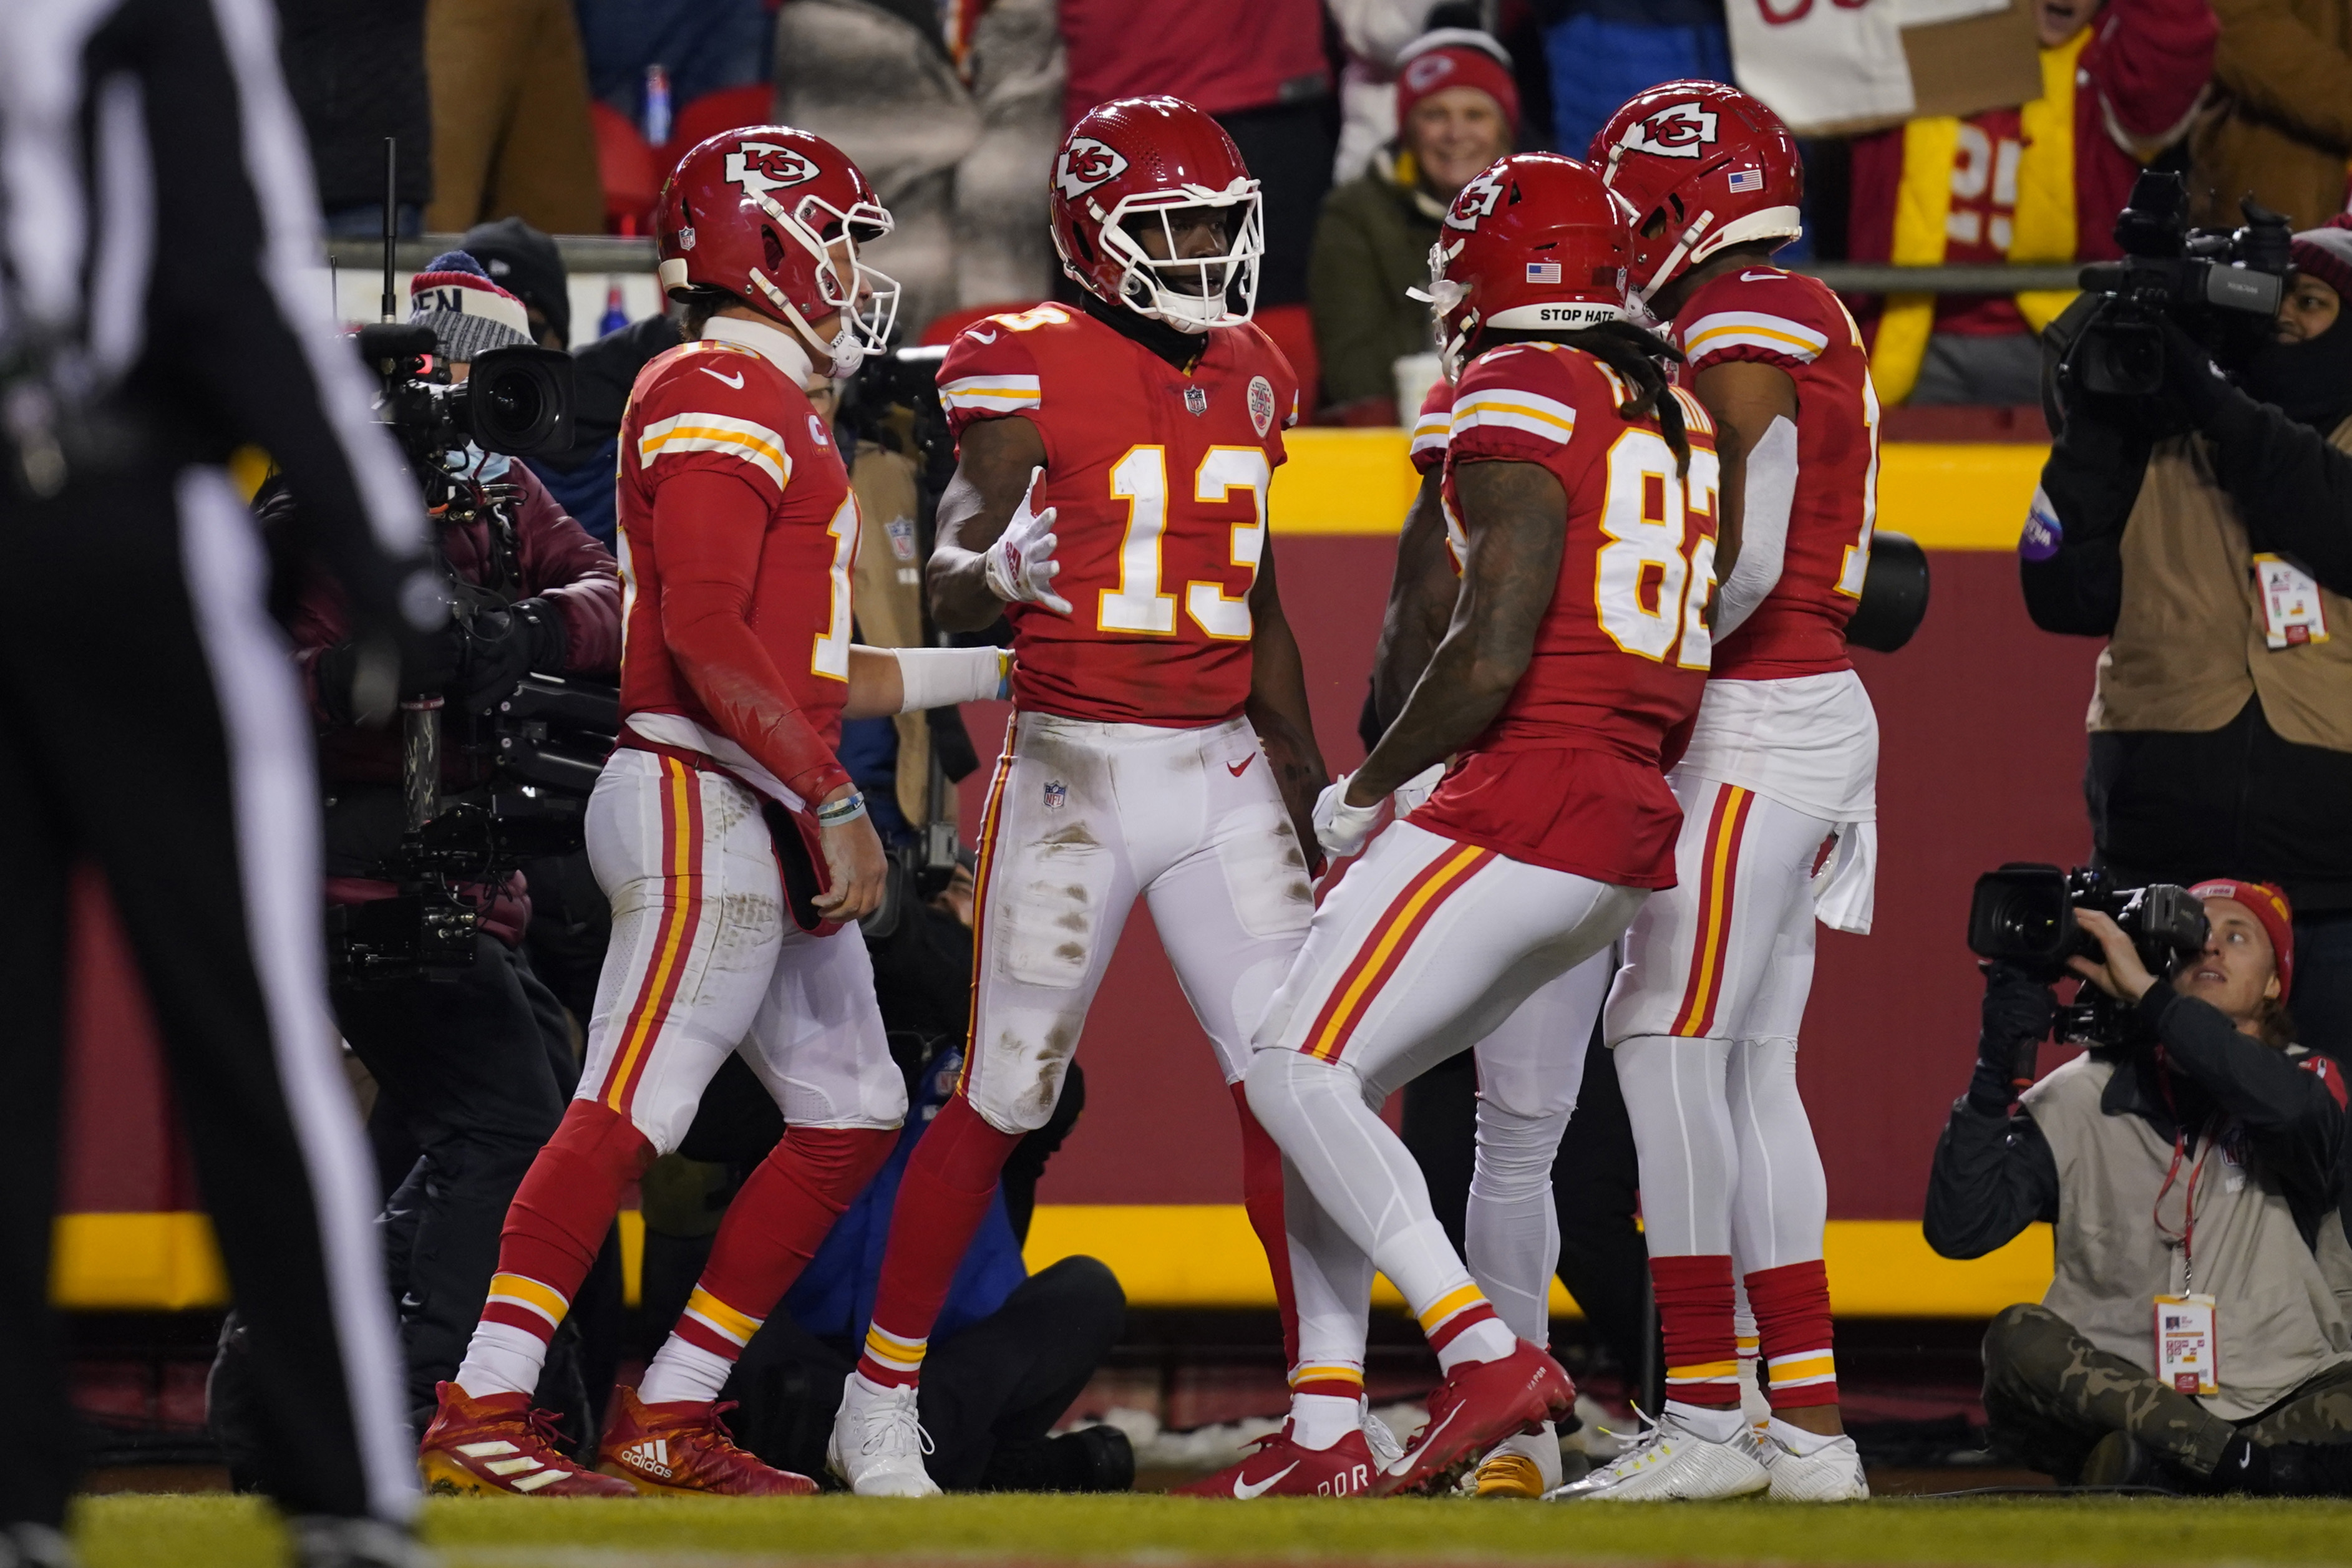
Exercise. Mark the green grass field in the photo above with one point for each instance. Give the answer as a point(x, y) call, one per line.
point(213, 1531)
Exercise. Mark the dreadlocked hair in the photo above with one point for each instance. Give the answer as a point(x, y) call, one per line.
point(1635, 355)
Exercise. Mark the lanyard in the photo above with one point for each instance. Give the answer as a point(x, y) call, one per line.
point(2187, 1238)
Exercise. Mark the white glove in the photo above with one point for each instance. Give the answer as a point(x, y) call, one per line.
point(1415, 791)
point(1020, 565)
point(1339, 827)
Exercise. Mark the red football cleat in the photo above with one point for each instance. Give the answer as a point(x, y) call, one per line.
point(499, 1444)
point(684, 1450)
point(1477, 1407)
point(1281, 1467)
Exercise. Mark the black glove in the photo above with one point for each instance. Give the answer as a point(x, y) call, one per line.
point(428, 662)
point(504, 645)
point(2193, 384)
point(2018, 1012)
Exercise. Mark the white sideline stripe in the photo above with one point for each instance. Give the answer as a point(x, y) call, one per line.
point(275, 796)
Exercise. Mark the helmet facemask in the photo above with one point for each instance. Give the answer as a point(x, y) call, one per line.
point(1191, 294)
point(868, 300)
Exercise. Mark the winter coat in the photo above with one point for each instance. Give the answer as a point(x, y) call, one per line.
point(2281, 124)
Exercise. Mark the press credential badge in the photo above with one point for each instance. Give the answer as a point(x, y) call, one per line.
point(2291, 612)
point(2186, 1348)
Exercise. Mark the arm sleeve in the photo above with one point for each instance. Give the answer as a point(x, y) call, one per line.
point(561, 564)
point(2295, 1116)
point(1768, 492)
point(1993, 1176)
point(250, 339)
point(2154, 59)
point(2293, 488)
point(2282, 72)
point(708, 529)
point(2071, 558)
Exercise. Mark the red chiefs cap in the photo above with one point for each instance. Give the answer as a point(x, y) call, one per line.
point(1456, 57)
point(2269, 905)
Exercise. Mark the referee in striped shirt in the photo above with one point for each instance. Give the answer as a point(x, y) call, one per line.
point(159, 307)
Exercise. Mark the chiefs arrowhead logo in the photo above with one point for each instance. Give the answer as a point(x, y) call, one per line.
point(1084, 164)
point(763, 166)
point(1678, 131)
point(1476, 200)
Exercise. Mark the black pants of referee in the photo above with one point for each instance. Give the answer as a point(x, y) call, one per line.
point(150, 723)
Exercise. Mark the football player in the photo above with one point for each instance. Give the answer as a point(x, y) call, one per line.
point(730, 840)
point(1583, 487)
point(1110, 501)
point(1779, 791)
point(1530, 1068)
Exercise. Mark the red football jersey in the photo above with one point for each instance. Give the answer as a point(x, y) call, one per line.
point(1568, 775)
point(721, 407)
point(1160, 481)
point(1795, 323)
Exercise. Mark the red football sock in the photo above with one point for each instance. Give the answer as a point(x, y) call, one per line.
point(775, 1226)
point(1262, 1199)
point(1701, 1345)
point(950, 1182)
point(560, 1214)
point(1792, 1319)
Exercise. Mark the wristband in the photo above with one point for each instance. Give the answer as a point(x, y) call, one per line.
point(841, 813)
point(943, 677)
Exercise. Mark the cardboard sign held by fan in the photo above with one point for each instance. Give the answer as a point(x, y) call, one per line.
point(1840, 67)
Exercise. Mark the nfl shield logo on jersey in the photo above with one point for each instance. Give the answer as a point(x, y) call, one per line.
point(1058, 795)
point(1261, 403)
point(1196, 401)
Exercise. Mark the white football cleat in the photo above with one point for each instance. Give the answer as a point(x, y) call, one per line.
point(1672, 1463)
point(1831, 1473)
point(878, 1442)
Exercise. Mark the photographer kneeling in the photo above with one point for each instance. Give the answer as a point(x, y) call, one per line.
point(474, 1059)
point(2191, 1174)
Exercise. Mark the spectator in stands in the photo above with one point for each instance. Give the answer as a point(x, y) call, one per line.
point(1372, 33)
point(2041, 182)
point(2206, 532)
point(2202, 1160)
point(1602, 52)
point(510, 132)
point(2281, 122)
point(1257, 66)
point(702, 46)
point(1457, 111)
point(954, 113)
point(357, 74)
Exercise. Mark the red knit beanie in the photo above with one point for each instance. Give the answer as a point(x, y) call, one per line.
point(2326, 252)
point(1456, 57)
point(2269, 906)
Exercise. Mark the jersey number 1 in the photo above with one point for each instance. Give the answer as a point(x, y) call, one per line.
point(1140, 479)
point(829, 655)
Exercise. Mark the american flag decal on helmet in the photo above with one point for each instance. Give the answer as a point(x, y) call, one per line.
point(1747, 179)
point(1543, 272)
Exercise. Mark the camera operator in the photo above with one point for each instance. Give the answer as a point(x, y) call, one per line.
point(2205, 529)
point(2190, 1171)
point(476, 1063)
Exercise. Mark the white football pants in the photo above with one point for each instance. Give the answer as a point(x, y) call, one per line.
point(706, 960)
point(1704, 1019)
point(1423, 949)
point(1082, 816)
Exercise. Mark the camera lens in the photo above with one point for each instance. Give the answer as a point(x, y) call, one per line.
point(520, 401)
point(515, 402)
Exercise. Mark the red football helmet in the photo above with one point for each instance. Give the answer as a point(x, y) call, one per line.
point(1158, 156)
point(775, 216)
point(1703, 165)
point(1533, 243)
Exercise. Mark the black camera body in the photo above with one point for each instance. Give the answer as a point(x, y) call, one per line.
point(2023, 915)
point(2218, 283)
point(516, 400)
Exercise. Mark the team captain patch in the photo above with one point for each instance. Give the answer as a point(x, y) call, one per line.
point(1261, 403)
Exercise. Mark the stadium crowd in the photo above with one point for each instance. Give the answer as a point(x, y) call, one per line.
point(762, 985)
